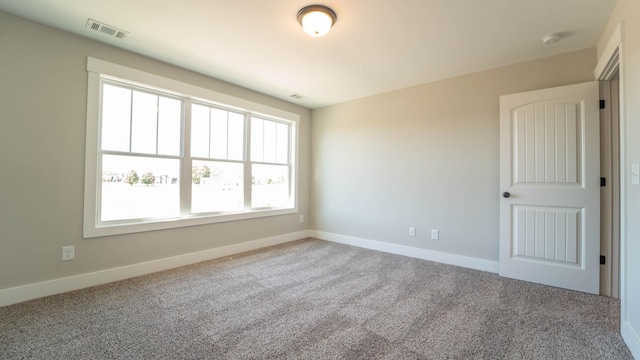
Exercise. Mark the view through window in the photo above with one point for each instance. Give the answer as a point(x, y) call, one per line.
point(163, 156)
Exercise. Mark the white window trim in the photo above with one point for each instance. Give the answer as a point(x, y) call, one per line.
point(99, 68)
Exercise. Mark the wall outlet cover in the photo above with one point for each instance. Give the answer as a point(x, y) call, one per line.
point(68, 253)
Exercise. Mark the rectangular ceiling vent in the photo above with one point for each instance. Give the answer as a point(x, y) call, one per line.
point(106, 29)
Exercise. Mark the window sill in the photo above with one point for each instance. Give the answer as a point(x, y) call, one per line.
point(128, 227)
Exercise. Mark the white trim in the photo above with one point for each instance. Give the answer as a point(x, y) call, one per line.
point(51, 287)
point(624, 253)
point(609, 58)
point(180, 88)
point(414, 252)
point(631, 338)
point(90, 218)
point(98, 69)
point(614, 54)
point(624, 301)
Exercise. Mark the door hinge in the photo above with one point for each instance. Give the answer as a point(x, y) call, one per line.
point(603, 181)
point(601, 104)
point(602, 260)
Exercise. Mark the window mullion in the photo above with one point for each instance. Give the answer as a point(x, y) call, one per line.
point(157, 122)
point(141, 155)
point(186, 163)
point(131, 123)
point(264, 139)
point(226, 150)
point(247, 162)
point(276, 160)
point(209, 134)
point(289, 161)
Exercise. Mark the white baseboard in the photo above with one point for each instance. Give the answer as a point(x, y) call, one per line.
point(56, 286)
point(424, 254)
point(632, 339)
point(51, 287)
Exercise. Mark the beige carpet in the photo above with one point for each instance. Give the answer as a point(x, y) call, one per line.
point(312, 299)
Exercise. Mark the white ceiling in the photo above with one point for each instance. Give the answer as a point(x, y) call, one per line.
point(375, 46)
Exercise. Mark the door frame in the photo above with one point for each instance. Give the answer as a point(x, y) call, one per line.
point(610, 193)
point(612, 59)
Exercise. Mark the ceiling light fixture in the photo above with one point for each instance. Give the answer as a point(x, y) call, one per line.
point(550, 39)
point(316, 20)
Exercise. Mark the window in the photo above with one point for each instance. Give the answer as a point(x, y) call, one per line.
point(269, 163)
point(140, 154)
point(163, 154)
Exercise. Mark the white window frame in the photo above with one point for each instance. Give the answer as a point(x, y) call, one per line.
point(99, 69)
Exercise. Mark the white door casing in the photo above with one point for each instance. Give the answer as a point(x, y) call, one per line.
point(550, 168)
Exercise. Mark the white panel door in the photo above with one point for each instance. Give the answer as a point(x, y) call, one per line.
point(550, 187)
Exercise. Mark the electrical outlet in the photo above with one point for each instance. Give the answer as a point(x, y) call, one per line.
point(412, 231)
point(68, 253)
point(301, 219)
point(435, 234)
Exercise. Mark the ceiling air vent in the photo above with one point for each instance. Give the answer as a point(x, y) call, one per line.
point(107, 29)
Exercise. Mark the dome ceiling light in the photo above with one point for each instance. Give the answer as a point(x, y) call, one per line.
point(316, 20)
point(550, 39)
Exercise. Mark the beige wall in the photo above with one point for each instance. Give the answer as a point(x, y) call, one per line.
point(426, 156)
point(43, 96)
point(628, 11)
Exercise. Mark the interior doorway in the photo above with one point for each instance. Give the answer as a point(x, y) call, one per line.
point(610, 191)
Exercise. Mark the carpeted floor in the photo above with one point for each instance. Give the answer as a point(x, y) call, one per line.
point(312, 299)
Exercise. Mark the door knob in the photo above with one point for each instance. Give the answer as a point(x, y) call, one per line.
point(506, 194)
